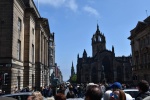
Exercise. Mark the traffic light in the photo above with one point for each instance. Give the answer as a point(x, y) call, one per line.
point(6, 79)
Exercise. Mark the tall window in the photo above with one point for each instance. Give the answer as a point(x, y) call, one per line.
point(19, 50)
point(19, 27)
point(32, 80)
point(33, 31)
point(19, 24)
point(18, 80)
point(32, 53)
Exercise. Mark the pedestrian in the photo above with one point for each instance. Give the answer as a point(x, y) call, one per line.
point(116, 93)
point(93, 92)
point(50, 91)
point(70, 93)
point(60, 96)
point(35, 96)
point(143, 87)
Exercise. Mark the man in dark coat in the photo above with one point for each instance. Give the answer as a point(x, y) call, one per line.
point(143, 87)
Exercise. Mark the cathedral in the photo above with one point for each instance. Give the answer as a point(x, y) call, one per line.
point(103, 65)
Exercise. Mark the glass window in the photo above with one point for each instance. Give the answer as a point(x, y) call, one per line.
point(33, 31)
point(19, 50)
point(19, 24)
point(32, 53)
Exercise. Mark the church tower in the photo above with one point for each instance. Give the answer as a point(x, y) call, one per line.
point(98, 42)
point(72, 70)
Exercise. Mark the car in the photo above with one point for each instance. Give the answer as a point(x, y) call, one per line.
point(20, 95)
point(132, 92)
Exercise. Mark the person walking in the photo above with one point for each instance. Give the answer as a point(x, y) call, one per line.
point(70, 93)
point(93, 92)
point(143, 87)
point(116, 93)
point(35, 96)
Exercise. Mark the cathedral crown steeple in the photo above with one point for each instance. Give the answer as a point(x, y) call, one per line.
point(98, 41)
point(97, 27)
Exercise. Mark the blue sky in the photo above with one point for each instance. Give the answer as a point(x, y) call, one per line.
point(74, 22)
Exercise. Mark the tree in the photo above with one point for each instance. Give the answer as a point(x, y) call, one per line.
point(73, 78)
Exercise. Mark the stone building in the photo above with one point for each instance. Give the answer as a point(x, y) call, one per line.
point(24, 44)
point(103, 65)
point(52, 54)
point(140, 45)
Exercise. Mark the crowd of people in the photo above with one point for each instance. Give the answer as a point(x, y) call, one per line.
point(90, 91)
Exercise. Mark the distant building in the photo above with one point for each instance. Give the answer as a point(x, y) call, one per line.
point(52, 54)
point(140, 45)
point(24, 43)
point(55, 72)
point(103, 65)
point(73, 76)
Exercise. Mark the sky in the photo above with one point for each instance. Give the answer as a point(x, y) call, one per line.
point(75, 21)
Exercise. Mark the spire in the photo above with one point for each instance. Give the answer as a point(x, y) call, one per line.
point(72, 69)
point(84, 54)
point(113, 49)
point(98, 41)
point(97, 27)
point(78, 56)
point(72, 63)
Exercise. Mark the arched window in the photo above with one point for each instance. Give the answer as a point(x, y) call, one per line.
point(99, 38)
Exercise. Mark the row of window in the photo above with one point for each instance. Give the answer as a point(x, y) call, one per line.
point(19, 42)
point(144, 59)
point(19, 51)
point(145, 41)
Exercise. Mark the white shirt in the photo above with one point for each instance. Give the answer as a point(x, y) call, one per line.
point(107, 95)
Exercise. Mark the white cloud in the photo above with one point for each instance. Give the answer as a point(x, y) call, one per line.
point(71, 4)
point(91, 10)
point(55, 3)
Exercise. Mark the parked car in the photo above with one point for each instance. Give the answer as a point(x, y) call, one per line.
point(132, 92)
point(7, 98)
point(20, 96)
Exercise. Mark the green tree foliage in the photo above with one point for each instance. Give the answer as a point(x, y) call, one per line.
point(73, 78)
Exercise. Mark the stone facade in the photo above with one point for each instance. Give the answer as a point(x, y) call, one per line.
point(140, 45)
point(24, 45)
point(52, 51)
point(103, 65)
